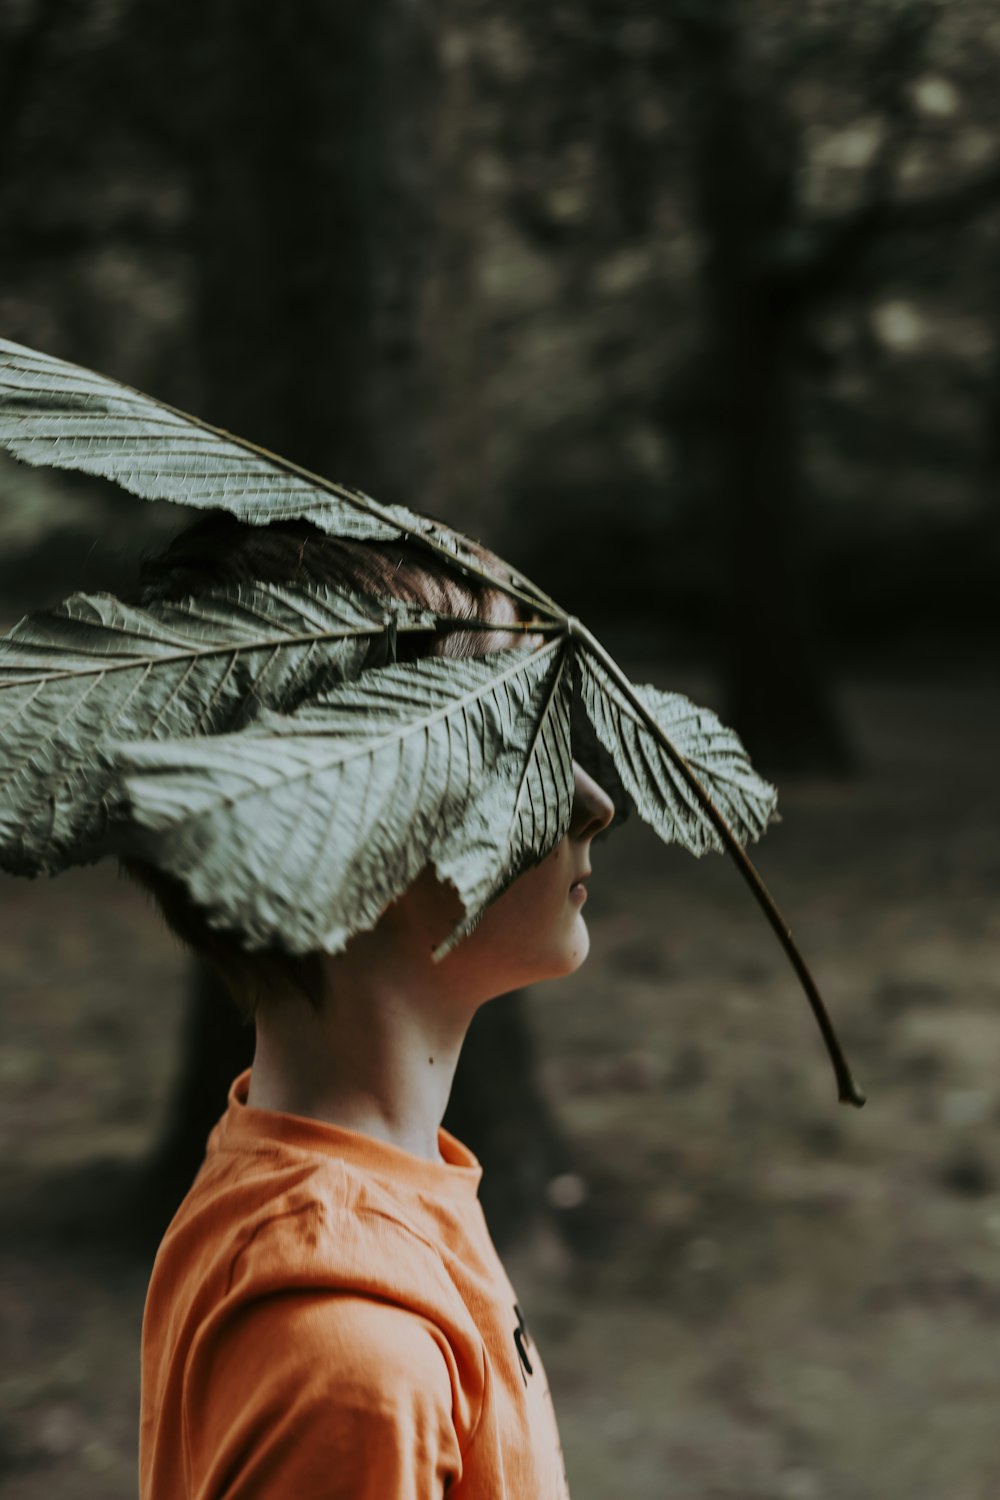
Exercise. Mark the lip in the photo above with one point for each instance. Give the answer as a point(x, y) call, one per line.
point(578, 890)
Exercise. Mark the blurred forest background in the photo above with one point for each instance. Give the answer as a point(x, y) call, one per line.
point(692, 310)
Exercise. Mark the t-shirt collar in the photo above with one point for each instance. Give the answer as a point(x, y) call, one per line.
point(459, 1172)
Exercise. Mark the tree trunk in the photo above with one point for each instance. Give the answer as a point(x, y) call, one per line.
point(283, 227)
point(744, 163)
point(280, 136)
point(217, 1045)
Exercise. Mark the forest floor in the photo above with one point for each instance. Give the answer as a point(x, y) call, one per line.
point(800, 1301)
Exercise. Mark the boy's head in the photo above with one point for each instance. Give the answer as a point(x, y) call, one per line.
point(219, 551)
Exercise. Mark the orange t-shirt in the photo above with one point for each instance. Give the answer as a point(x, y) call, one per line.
point(328, 1319)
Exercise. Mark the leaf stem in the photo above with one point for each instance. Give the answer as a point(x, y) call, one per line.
point(502, 627)
point(848, 1090)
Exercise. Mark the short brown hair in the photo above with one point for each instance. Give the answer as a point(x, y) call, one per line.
point(219, 550)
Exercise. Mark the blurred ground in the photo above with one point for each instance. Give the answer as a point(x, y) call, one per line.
point(800, 1302)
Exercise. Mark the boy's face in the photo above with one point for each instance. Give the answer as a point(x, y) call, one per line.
point(535, 930)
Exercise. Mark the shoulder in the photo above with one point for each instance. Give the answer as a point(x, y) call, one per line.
point(265, 1221)
point(336, 1265)
point(313, 1240)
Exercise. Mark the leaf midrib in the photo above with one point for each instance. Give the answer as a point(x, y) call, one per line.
point(367, 748)
point(193, 653)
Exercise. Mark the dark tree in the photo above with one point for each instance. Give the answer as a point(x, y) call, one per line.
point(277, 144)
point(743, 165)
point(283, 236)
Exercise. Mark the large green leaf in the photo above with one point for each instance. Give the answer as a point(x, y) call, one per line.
point(661, 793)
point(302, 829)
point(93, 670)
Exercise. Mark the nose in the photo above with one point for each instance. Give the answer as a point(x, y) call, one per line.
point(593, 809)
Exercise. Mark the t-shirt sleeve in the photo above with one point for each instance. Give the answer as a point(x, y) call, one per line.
point(336, 1397)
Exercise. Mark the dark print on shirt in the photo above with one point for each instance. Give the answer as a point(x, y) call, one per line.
point(521, 1338)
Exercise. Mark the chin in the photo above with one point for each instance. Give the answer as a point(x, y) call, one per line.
point(581, 949)
point(528, 951)
point(572, 953)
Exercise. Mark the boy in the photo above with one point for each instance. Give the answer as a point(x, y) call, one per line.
point(327, 1316)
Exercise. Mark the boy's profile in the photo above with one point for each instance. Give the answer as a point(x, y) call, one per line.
point(327, 1316)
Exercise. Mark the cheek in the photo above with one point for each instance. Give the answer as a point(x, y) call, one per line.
point(537, 924)
point(542, 889)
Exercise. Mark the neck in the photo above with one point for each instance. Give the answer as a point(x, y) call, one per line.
point(379, 1056)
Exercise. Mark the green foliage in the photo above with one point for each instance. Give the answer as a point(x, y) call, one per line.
point(94, 670)
point(262, 744)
